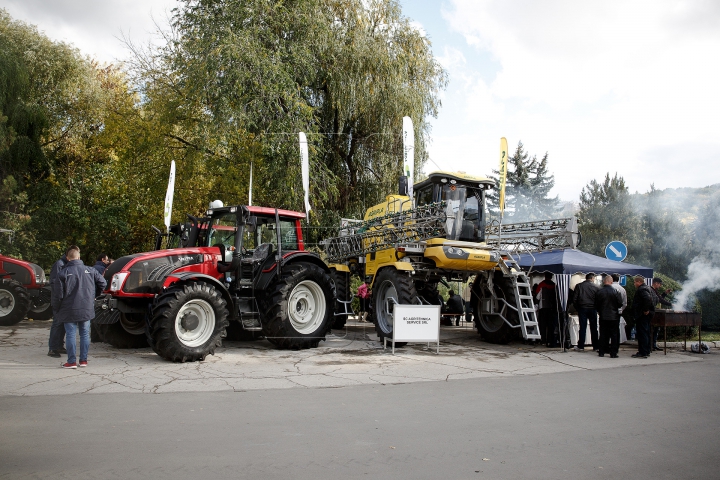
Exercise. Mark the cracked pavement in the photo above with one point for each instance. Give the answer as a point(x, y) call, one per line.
point(347, 357)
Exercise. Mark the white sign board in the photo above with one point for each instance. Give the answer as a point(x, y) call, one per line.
point(416, 323)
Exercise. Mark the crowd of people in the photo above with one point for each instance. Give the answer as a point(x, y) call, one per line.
point(600, 306)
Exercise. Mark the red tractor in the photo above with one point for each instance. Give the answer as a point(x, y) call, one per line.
point(242, 268)
point(23, 291)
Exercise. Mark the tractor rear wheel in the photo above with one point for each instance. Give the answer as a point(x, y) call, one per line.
point(40, 308)
point(391, 287)
point(14, 302)
point(128, 332)
point(492, 328)
point(342, 291)
point(298, 307)
point(188, 322)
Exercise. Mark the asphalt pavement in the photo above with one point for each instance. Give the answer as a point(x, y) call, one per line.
point(504, 412)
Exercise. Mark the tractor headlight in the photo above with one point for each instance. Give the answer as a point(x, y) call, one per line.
point(117, 281)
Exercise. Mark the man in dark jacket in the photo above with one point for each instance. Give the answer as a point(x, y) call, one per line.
point(73, 303)
point(101, 263)
point(644, 309)
point(584, 302)
point(455, 305)
point(57, 329)
point(608, 303)
point(660, 298)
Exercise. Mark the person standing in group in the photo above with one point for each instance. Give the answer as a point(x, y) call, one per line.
point(547, 296)
point(608, 303)
point(659, 298)
point(57, 329)
point(101, 264)
point(73, 304)
point(643, 309)
point(584, 302)
point(363, 294)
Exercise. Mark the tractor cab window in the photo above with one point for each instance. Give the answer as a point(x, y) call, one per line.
point(222, 231)
point(266, 232)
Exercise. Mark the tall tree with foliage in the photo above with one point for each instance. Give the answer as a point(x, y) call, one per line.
point(606, 214)
point(249, 74)
point(527, 189)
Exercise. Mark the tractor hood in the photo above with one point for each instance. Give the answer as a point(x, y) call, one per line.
point(144, 273)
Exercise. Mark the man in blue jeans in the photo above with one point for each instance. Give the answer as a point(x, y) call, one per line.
point(584, 301)
point(73, 304)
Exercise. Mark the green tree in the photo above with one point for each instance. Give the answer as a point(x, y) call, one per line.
point(238, 79)
point(527, 189)
point(607, 214)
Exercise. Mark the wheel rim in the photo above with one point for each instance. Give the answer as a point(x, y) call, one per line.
point(7, 303)
point(306, 307)
point(386, 291)
point(134, 327)
point(194, 323)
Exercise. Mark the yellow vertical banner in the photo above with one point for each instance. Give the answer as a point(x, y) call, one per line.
point(503, 173)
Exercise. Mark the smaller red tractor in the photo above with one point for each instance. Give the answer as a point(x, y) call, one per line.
point(239, 269)
point(23, 291)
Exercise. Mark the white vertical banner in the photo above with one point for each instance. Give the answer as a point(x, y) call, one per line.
point(305, 167)
point(409, 153)
point(167, 213)
point(250, 188)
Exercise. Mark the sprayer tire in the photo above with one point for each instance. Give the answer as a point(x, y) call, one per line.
point(390, 283)
point(492, 328)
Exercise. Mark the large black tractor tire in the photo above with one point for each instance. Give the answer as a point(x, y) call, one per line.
point(342, 291)
point(390, 283)
point(298, 307)
point(14, 302)
point(492, 328)
point(40, 308)
point(128, 332)
point(188, 322)
point(236, 333)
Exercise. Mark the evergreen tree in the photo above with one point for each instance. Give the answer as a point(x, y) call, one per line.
point(527, 188)
point(607, 214)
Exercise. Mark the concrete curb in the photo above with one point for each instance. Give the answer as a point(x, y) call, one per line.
point(710, 344)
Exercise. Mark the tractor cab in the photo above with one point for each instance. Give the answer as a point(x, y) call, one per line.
point(464, 196)
point(258, 226)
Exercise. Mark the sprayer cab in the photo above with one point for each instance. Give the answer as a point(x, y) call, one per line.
point(464, 196)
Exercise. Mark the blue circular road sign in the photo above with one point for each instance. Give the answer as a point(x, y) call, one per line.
point(616, 250)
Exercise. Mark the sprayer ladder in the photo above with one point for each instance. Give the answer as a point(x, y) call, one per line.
point(524, 301)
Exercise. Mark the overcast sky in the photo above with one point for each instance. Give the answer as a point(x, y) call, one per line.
point(603, 86)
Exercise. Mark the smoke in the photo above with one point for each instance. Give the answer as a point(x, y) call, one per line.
point(702, 275)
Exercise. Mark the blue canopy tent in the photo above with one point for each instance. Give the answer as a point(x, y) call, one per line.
point(567, 262)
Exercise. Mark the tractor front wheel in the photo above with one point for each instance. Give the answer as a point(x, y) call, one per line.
point(491, 327)
point(188, 322)
point(128, 332)
point(40, 308)
point(14, 302)
point(298, 307)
